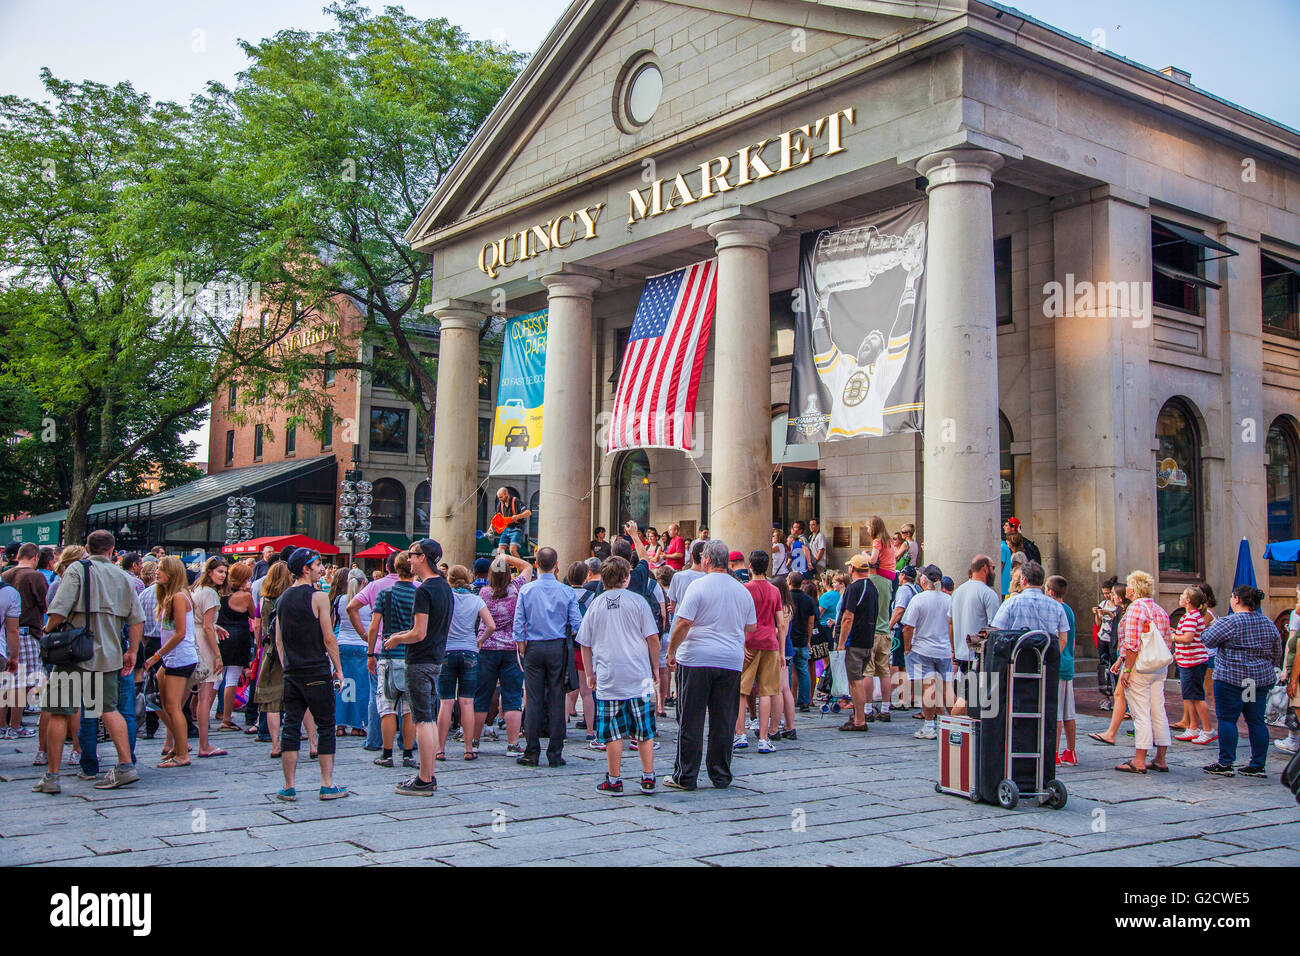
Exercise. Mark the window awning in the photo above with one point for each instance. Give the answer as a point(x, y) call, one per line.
point(1286, 264)
point(1181, 276)
point(1194, 237)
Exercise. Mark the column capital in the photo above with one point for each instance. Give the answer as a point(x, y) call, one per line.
point(948, 166)
point(455, 314)
point(739, 226)
point(572, 283)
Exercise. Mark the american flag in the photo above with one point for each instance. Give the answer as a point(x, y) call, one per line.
point(660, 374)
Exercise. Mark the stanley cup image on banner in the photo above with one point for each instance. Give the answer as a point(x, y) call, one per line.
point(859, 352)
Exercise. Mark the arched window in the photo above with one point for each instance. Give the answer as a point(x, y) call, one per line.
point(1007, 468)
point(1178, 491)
point(1283, 488)
point(633, 499)
point(423, 491)
point(388, 512)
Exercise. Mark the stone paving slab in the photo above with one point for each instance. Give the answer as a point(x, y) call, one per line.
point(827, 799)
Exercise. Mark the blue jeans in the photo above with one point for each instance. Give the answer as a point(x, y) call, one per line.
point(459, 675)
point(800, 678)
point(1229, 704)
point(88, 735)
point(374, 736)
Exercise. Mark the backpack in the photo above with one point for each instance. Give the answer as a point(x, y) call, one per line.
point(1032, 553)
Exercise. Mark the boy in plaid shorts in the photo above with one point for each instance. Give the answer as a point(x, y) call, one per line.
point(620, 653)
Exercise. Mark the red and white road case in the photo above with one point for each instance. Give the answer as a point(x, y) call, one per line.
point(958, 749)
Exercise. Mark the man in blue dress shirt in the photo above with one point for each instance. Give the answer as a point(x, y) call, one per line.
point(546, 613)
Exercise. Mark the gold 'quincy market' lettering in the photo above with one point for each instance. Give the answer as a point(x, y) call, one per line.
point(558, 233)
point(747, 165)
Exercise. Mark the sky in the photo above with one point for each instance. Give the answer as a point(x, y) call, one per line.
point(1244, 51)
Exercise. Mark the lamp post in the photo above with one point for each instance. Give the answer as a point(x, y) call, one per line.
point(354, 505)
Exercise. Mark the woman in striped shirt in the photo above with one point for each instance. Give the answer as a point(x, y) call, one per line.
point(1193, 660)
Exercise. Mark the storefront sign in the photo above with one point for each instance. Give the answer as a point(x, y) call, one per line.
point(558, 233)
point(749, 164)
point(793, 148)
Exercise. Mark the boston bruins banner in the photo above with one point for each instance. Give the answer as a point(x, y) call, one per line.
point(859, 349)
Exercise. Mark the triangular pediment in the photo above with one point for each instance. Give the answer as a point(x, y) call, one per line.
point(562, 116)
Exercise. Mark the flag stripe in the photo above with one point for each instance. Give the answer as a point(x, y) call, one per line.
point(659, 376)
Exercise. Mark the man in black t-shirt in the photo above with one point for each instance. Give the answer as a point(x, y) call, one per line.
point(600, 548)
point(860, 606)
point(426, 645)
point(801, 628)
point(309, 652)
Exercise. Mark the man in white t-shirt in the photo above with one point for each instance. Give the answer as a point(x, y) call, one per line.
point(974, 603)
point(816, 545)
point(708, 645)
point(926, 646)
point(620, 655)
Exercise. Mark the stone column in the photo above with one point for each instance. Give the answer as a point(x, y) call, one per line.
point(1101, 239)
point(1245, 511)
point(740, 498)
point(564, 505)
point(453, 504)
point(961, 485)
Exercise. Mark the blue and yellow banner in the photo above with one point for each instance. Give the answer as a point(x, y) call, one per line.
point(517, 427)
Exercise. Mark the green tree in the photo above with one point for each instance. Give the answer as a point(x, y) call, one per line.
point(81, 330)
point(329, 143)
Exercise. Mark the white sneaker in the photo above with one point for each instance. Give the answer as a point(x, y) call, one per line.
point(926, 733)
point(1288, 746)
point(8, 734)
point(22, 733)
point(765, 747)
point(752, 725)
point(1205, 737)
point(739, 742)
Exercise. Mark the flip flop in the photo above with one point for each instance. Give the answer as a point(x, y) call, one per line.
point(1102, 740)
point(472, 755)
point(215, 753)
point(440, 755)
point(1160, 769)
point(1127, 767)
point(172, 762)
point(275, 756)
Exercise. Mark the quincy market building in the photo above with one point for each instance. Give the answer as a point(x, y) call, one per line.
point(1113, 264)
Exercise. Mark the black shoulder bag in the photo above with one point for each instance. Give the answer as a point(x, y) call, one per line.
point(68, 646)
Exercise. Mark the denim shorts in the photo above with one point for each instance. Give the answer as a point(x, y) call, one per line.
point(919, 667)
point(421, 681)
point(1193, 681)
point(512, 535)
point(459, 676)
point(500, 666)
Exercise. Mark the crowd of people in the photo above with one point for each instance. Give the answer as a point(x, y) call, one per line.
point(421, 654)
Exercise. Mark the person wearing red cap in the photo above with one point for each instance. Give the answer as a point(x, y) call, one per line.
point(736, 565)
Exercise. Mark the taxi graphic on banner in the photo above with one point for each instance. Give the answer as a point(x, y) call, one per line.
point(517, 426)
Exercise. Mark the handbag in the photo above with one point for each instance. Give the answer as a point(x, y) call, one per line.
point(67, 646)
point(395, 677)
point(1154, 655)
point(1278, 704)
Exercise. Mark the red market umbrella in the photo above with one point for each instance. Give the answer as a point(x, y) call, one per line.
point(381, 550)
point(279, 542)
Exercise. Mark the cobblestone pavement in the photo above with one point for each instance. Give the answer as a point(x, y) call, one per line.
point(827, 799)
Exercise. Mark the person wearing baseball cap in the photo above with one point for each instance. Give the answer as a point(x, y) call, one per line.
point(907, 589)
point(426, 646)
point(856, 638)
point(482, 565)
point(313, 673)
point(927, 648)
point(736, 563)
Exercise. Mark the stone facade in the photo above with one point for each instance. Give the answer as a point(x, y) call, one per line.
point(1025, 135)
